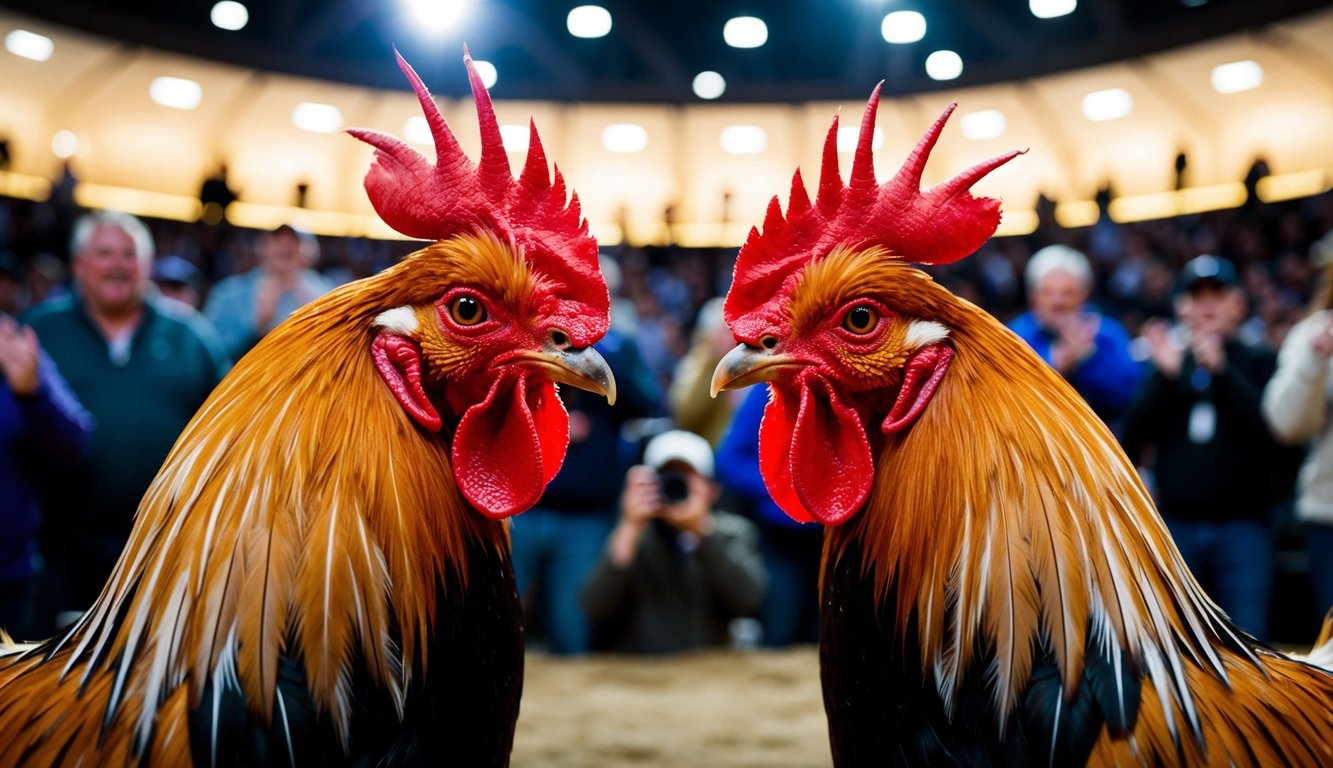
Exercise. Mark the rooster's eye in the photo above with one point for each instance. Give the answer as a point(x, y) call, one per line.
point(860, 320)
point(466, 310)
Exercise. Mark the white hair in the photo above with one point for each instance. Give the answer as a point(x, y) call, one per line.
point(1057, 257)
point(127, 223)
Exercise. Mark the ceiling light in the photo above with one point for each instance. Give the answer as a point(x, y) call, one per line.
point(986, 124)
point(1050, 9)
point(29, 45)
point(417, 130)
point(317, 118)
point(903, 27)
point(624, 138)
point(229, 15)
point(175, 92)
point(1107, 105)
point(745, 32)
point(487, 71)
point(64, 144)
point(848, 135)
point(589, 21)
point(709, 85)
point(515, 137)
point(1237, 76)
point(944, 65)
point(437, 15)
point(744, 139)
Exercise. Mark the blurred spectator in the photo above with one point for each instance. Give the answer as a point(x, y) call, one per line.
point(675, 572)
point(1296, 406)
point(692, 406)
point(215, 194)
point(141, 366)
point(43, 432)
point(792, 551)
point(12, 293)
point(1215, 460)
point(1089, 349)
point(243, 308)
point(48, 278)
point(178, 279)
point(557, 542)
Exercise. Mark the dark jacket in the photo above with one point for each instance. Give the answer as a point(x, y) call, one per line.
point(1226, 465)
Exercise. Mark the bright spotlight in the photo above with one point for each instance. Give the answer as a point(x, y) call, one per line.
point(175, 92)
point(64, 144)
point(709, 85)
point(589, 21)
point(903, 27)
point(745, 32)
point(437, 15)
point(487, 71)
point(29, 45)
point(944, 65)
point(229, 15)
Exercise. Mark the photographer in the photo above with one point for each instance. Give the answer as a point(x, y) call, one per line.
point(675, 571)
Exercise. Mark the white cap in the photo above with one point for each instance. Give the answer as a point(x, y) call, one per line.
point(679, 445)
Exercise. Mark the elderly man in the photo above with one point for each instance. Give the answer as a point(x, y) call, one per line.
point(142, 366)
point(244, 307)
point(1089, 349)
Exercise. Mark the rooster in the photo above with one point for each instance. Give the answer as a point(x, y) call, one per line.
point(997, 587)
point(319, 574)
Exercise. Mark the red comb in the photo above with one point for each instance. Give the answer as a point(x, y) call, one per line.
point(455, 196)
point(937, 226)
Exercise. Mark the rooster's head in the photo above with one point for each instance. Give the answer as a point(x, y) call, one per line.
point(506, 302)
point(830, 315)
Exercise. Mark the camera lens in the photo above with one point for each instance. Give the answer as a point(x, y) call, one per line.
point(674, 487)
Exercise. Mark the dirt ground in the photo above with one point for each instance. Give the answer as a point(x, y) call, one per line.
point(715, 709)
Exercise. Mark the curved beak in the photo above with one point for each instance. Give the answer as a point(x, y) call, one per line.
point(581, 367)
point(746, 365)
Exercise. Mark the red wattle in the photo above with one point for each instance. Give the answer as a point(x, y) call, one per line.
point(398, 361)
point(831, 465)
point(552, 423)
point(921, 375)
point(775, 431)
point(498, 450)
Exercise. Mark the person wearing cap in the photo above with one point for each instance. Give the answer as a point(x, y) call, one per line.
point(245, 307)
point(1296, 404)
point(1089, 349)
point(177, 279)
point(1216, 464)
point(142, 366)
point(675, 571)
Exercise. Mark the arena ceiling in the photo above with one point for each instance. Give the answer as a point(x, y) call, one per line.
point(816, 49)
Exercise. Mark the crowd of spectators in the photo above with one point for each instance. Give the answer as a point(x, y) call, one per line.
point(1113, 307)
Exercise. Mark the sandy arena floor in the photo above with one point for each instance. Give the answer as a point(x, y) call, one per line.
point(717, 709)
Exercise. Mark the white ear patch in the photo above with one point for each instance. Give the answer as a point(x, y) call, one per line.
point(923, 332)
point(400, 319)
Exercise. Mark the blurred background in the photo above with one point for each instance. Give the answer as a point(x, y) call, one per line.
point(675, 121)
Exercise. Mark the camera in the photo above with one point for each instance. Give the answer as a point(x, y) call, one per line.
point(675, 487)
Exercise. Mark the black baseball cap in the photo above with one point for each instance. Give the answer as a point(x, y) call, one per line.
point(1207, 270)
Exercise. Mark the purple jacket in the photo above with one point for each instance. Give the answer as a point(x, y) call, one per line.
point(40, 436)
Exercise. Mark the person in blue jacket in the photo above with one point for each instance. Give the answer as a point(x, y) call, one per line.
point(791, 550)
point(43, 430)
point(1089, 349)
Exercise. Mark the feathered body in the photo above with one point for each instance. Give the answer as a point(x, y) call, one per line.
point(997, 587)
point(309, 579)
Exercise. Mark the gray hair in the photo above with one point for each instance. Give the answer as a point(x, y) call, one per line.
point(127, 223)
point(1057, 257)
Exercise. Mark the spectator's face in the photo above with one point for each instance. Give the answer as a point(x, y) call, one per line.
point(1057, 296)
point(281, 254)
point(109, 272)
point(1209, 308)
point(179, 291)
